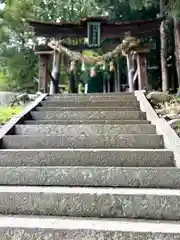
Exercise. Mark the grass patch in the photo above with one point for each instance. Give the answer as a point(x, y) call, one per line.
point(6, 113)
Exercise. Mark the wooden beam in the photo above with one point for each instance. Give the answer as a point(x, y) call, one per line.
point(118, 76)
point(55, 73)
point(142, 70)
point(43, 52)
point(130, 72)
point(59, 31)
point(43, 75)
point(135, 76)
point(65, 29)
point(106, 47)
point(72, 47)
point(119, 32)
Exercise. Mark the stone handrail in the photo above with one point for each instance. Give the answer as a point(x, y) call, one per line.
point(171, 139)
point(16, 118)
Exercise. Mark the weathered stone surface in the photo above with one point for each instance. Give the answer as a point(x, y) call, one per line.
point(92, 94)
point(77, 122)
point(87, 157)
point(172, 116)
point(91, 202)
point(104, 235)
point(91, 129)
point(33, 97)
point(38, 228)
point(144, 177)
point(169, 110)
point(159, 97)
point(23, 97)
point(78, 98)
point(7, 98)
point(7, 128)
point(90, 104)
point(147, 141)
point(88, 115)
point(36, 160)
point(174, 123)
point(111, 108)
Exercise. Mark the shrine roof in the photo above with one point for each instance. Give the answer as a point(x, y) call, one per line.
point(139, 22)
point(96, 19)
point(65, 28)
point(37, 23)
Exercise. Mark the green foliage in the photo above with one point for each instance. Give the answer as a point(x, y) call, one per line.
point(16, 55)
point(171, 8)
point(68, 10)
point(22, 68)
point(6, 113)
point(16, 49)
point(4, 85)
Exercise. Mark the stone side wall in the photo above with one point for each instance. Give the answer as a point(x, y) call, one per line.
point(6, 98)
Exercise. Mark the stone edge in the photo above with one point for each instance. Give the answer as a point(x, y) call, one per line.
point(171, 139)
point(79, 224)
point(16, 118)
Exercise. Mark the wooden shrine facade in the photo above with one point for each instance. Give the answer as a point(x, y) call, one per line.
point(108, 30)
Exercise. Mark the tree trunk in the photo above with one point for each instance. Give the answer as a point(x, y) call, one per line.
point(163, 58)
point(177, 47)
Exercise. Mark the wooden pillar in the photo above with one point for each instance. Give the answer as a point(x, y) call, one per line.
point(43, 74)
point(104, 78)
point(142, 69)
point(115, 78)
point(73, 79)
point(108, 86)
point(130, 72)
point(118, 75)
point(104, 84)
point(55, 73)
point(119, 79)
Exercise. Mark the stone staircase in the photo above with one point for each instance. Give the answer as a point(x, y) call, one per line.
point(88, 168)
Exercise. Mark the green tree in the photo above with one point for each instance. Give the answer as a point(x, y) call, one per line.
point(125, 10)
point(66, 10)
point(16, 38)
point(169, 8)
point(16, 53)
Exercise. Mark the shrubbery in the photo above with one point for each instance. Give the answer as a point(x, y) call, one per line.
point(6, 113)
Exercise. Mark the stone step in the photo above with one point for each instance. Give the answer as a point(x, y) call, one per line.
point(141, 141)
point(90, 129)
point(135, 108)
point(143, 177)
point(77, 122)
point(57, 95)
point(107, 103)
point(61, 228)
point(92, 98)
point(88, 115)
point(154, 204)
point(87, 157)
